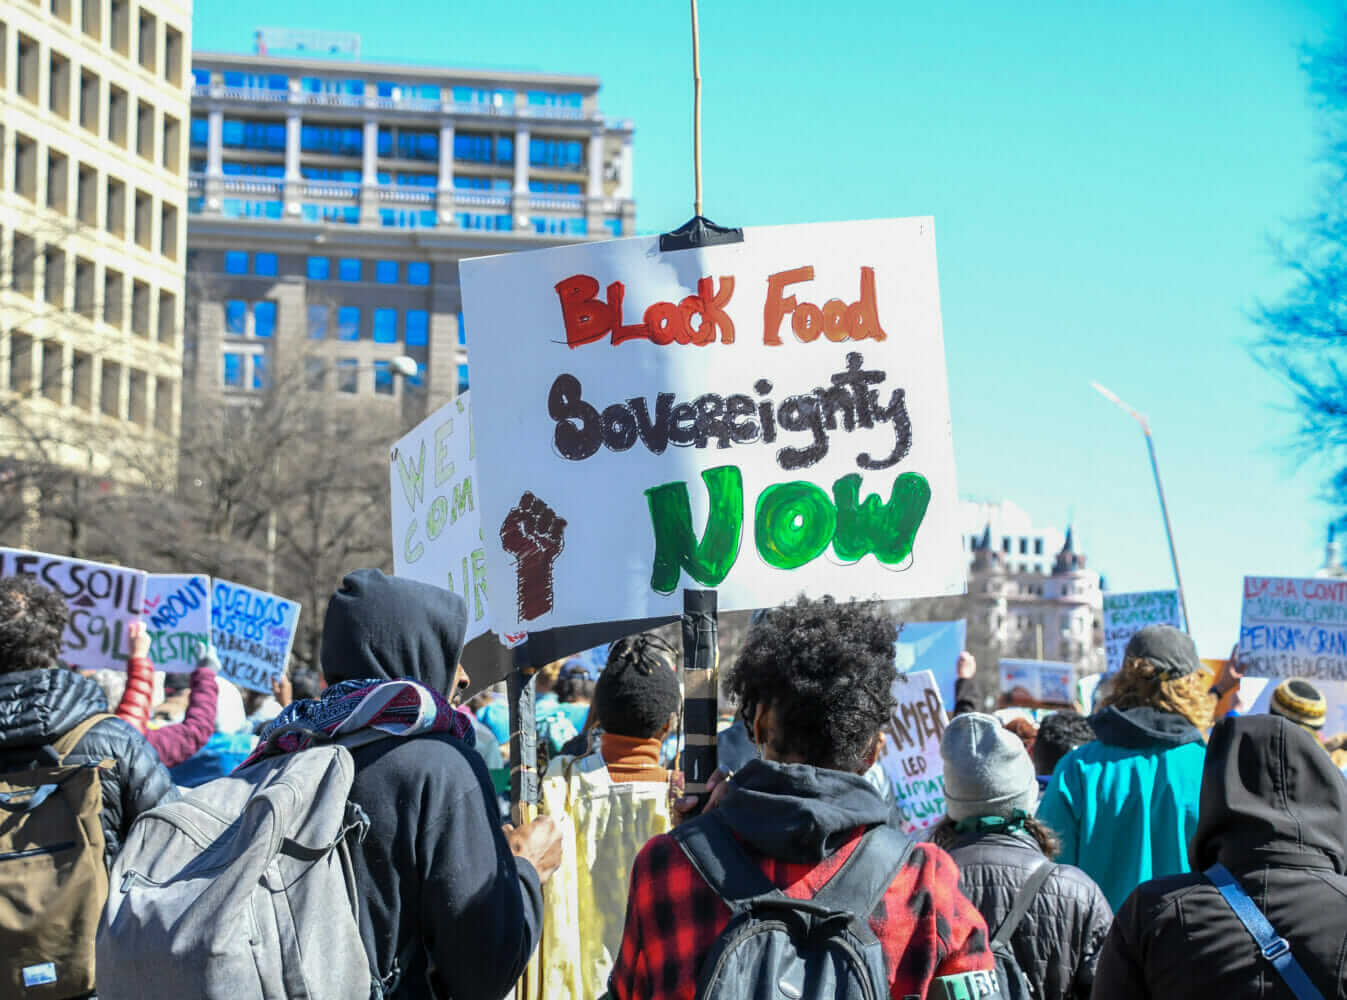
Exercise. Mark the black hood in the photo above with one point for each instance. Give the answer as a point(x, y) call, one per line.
point(1143, 728)
point(1271, 795)
point(39, 706)
point(796, 812)
point(387, 628)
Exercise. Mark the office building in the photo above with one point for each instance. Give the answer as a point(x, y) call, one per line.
point(93, 214)
point(331, 201)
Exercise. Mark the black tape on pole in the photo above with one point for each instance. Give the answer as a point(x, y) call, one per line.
point(699, 231)
point(699, 689)
point(520, 687)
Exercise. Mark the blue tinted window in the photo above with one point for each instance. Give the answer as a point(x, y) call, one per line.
point(418, 273)
point(462, 330)
point(264, 319)
point(348, 269)
point(417, 180)
point(554, 187)
point(385, 88)
point(201, 77)
point(559, 227)
point(418, 327)
point(614, 226)
point(383, 378)
point(386, 272)
point(348, 323)
point(406, 218)
point(236, 262)
point(348, 176)
point(348, 214)
point(264, 264)
point(473, 147)
point(331, 139)
point(462, 378)
point(477, 220)
point(200, 132)
point(385, 326)
point(259, 371)
point(319, 269)
point(317, 322)
point(231, 168)
point(233, 370)
point(348, 375)
point(236, 317)
point(239, 208)
point(504, 149)
point(253, 135)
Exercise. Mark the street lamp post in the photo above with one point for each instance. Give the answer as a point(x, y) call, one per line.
point(1159, 489)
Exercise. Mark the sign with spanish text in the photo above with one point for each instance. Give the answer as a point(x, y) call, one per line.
point(911, 755)
point(1294, 628)
point(253, 632)
point(1126, 614)
point(1038, 682)
point(762, 418)
point(437, 525)
point(177, 616)
point(103, 599)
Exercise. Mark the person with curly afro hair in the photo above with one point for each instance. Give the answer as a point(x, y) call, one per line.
point(32, 620)
point(814, 684)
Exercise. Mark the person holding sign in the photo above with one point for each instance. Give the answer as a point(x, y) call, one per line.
point(814, 682)
point(1125, 805)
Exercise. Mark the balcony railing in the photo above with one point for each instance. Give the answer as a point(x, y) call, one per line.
point(482, 199)
point(557, 202)
point(267, 186)
point(196, 185)
point(331, 190)
point(407, 195)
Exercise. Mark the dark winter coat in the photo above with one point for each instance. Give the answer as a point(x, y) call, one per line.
point(1273, 811)
point(442, 898)
point(1057, 944)
point(37, 707)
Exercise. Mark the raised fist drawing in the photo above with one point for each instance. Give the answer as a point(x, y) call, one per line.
point(534, 535)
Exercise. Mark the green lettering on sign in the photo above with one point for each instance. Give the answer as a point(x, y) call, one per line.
point(887, 530)
point(793, 524)
point(676, 547)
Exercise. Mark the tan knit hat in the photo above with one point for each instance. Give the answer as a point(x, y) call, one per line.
point(1300, 702)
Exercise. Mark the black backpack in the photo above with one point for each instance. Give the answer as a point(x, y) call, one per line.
point(1015, 984)
point(779, 948)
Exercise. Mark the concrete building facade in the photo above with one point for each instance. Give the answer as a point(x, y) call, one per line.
point(331, 202)
point(93, 230)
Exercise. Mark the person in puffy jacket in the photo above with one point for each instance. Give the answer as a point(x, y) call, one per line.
point(1274, 813)
point(990, 832)
point(1125, 805)
point(40, 700)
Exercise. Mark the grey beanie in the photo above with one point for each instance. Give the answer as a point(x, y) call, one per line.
point(987, 772)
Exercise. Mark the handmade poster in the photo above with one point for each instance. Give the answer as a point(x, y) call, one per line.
point(437, 524)
point(1294, 628)
point(911, 754)
point(1334, 692)
point(762, 418)
point(933, 646)
point(177, 615)
point(103, 600)
point(1038, 682)
point(253, 632)
point(1126, 614)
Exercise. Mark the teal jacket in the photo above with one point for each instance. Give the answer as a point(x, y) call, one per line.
point(1125, 805)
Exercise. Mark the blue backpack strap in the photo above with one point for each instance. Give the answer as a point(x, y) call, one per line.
point(722, 861)
point(1273, 946)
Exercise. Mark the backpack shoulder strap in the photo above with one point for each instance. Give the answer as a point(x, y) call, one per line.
point(1023, 900)
point(1273, 946)
point(860, 883)
point(721, 860)
point(65, 746)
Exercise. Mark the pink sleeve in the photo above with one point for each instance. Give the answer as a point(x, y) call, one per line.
point(177, 742)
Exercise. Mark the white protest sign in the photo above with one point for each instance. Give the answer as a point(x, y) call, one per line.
point(1041, 681)
point(1126, 614)
point(763, 418)
point(911, 755)
point(252, 631)
point(1334, 692)
point(1294, 628)
point(102, 599)
point(437, 526)
point(177, 615)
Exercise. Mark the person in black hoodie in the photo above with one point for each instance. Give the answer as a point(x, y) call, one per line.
point(814, 685)
point(450, 904)
point(1274, 813)
point(41, 700)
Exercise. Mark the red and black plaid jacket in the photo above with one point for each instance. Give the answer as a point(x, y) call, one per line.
point(925, 925)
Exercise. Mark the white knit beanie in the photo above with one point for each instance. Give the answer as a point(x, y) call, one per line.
point(987, 772)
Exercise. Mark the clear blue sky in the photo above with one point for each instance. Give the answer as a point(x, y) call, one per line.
point(1104, 179)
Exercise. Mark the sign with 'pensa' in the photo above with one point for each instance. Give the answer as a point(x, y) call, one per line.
point(763, 418)
point(102, 600)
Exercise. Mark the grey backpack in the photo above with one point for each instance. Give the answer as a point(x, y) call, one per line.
point(1015, 985)
point(779, 948)
point(242, 889)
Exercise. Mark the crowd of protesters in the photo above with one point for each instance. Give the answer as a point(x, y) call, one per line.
point(1161, 846)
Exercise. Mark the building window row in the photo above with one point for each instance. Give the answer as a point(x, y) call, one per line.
point(72, 283)
point(124, 26)
point(347, 323)
point(65, 376)
point(497, 98)
point(250, 319)
point(386, 272)
point(559, 226)
point(243, 262)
